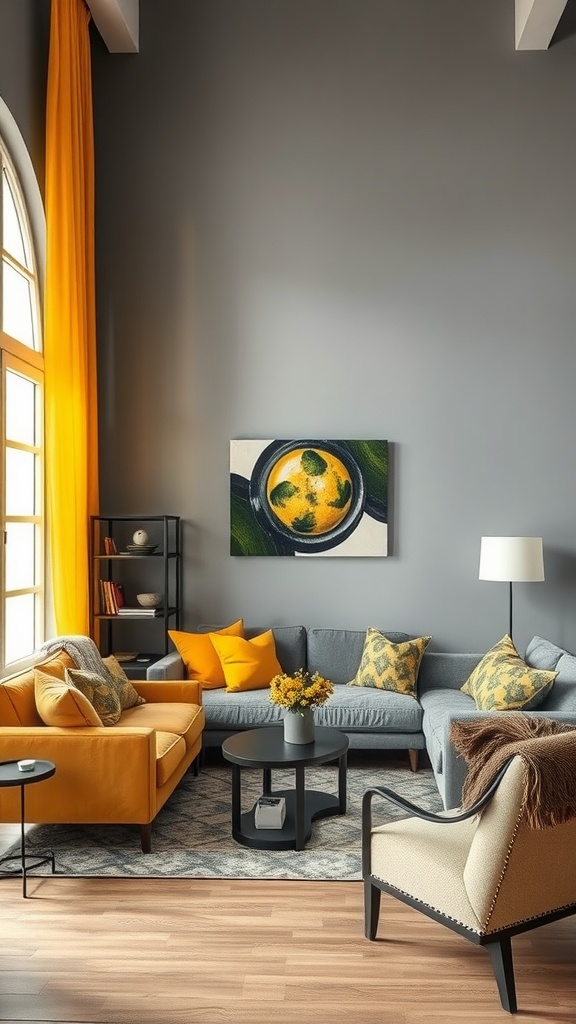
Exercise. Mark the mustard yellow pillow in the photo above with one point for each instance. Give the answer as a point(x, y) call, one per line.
point(388, 666)
point(247, 664)
point(128, 694)
point(199, 656)
point(101, 694)
point(59, 703)
point(502, 681)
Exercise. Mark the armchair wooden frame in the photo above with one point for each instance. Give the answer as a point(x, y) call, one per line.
point(497, 943)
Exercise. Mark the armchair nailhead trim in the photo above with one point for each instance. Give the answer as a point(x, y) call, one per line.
point(504, 867)
point(430, 906)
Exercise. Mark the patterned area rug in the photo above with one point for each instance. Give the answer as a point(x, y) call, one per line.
point(191, 836)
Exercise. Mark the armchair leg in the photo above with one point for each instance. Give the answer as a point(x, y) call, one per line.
point(413, 758)
point(146, 837)
point(372, 896)
point(503, 967)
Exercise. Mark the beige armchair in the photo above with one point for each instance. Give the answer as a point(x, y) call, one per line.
point(484, 872)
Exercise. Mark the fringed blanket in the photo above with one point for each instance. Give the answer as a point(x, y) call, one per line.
point(83, 652)
point(547, 748)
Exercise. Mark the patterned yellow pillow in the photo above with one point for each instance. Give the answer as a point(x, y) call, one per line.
point(389, 666)
point(128, 694)
point(101, 694)
point(502, 681)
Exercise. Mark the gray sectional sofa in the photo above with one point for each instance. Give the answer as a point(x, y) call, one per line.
point(371, 718)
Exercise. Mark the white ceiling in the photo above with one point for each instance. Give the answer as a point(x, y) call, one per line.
point(118, 21)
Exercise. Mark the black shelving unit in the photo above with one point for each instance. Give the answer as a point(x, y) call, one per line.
point(158, 571)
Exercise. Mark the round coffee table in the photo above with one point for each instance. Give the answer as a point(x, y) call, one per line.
point(10, 775)
point(265, 748)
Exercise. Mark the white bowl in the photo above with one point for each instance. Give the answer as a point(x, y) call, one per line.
point(149, 600)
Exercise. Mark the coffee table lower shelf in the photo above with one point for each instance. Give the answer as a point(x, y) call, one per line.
point(316, 805)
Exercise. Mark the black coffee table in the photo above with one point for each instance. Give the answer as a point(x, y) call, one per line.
point(265, 748)
point(10, 775)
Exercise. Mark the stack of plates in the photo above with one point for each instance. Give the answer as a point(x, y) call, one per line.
point(140, 549)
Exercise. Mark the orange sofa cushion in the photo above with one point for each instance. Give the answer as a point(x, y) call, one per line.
point(17, 698)
point(170, 751)
point(186, 720)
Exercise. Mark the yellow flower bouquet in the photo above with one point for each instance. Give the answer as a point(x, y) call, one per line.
point(300, 692)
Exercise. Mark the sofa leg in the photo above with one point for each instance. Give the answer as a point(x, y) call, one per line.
point(413, 756)
point(371, 909)
point(501, 956)
point(146, 837)
point(196, 764)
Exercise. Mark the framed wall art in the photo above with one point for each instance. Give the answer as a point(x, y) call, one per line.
point(308, 497)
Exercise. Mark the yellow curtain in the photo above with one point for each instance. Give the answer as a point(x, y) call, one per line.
point(70, 319)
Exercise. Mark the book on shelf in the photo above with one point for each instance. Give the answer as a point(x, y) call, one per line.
point(144, 613)
point(110, 546)
point(111, 597)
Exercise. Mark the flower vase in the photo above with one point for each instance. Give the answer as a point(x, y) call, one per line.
point(299, 726)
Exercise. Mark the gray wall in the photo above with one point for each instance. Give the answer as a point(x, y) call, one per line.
point(23, 63)
point(345, 218)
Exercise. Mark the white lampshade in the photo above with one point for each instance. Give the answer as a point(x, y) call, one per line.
point(511, 559)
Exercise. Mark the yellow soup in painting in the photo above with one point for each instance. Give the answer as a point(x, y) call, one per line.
point(309, 490)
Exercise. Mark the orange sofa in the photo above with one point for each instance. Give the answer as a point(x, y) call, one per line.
point(120, 774)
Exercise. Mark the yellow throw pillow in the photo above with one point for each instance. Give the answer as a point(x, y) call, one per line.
point(388, 666)
point(61, 704)
point(247, 664)
point(502, 681)
point(128, 694)
point(101, 694)
point(199, 656)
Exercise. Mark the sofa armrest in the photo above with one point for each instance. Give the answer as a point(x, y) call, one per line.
point(102, 774)
point(170, 691)
point(170, 666)
point(455, 768)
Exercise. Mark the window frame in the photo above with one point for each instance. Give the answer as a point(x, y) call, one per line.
point(18, 357)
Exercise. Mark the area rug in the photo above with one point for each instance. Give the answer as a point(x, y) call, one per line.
point(191, 836)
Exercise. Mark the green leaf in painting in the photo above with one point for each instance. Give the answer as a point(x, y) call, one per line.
point(312, 463)
point(280, 494)
point(305, 523)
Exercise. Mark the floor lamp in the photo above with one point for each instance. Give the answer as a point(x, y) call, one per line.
point(511, 560)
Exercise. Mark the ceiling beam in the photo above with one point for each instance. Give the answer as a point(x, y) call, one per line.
point(117, 22)
point(536, 22)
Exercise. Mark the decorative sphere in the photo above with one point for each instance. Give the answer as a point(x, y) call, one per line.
point(309, 490)
point(140, 538)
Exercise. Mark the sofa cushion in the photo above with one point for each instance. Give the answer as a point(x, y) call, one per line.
point(440, 707)
point(336, 653)
point(543, 654)
point(101, 694)
point(60, 704)
point(199, 656)
point(185, 720)
point(562, 696)
point(170, 750)
point(351, 709)
point(128, 695)
point(388, 666)
point(247, 664)
point(504, 682)
point(17, 697)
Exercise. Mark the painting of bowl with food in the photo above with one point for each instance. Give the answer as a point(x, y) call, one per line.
point(309, 497)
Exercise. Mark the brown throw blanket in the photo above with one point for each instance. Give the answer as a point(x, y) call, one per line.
point(549, 756)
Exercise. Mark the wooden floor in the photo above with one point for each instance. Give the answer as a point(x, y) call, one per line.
point(186, 951)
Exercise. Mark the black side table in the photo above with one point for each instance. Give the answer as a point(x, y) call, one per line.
point(10, 775)
point(265, 748)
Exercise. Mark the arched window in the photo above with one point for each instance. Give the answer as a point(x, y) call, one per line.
point(22, 522)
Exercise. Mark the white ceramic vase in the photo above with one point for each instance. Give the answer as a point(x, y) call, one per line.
point(299, 726)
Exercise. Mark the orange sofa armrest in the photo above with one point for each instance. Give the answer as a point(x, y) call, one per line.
point(169, 691)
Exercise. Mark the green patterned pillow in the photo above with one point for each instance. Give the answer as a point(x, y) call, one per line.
point(502, 681)
point(389, 666)
point(101, 694)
